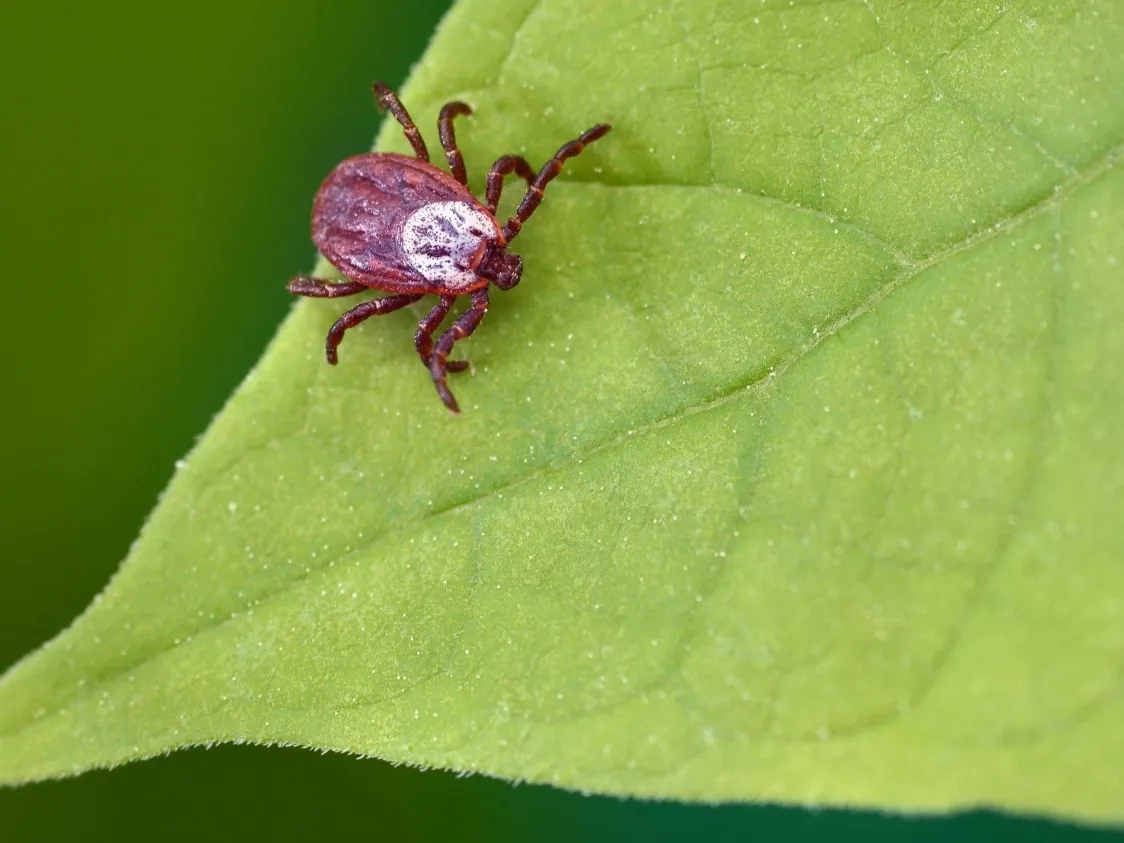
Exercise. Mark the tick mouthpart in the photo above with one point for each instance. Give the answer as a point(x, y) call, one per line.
point(501, 268)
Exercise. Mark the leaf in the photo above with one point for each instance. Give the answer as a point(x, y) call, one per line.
point(792, 471)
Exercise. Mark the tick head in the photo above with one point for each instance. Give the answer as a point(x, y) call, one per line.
point(501, 268)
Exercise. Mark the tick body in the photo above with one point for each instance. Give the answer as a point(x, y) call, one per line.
point(399, 224)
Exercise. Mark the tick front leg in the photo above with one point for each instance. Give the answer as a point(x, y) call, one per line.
point(319, 288)
point(463, 327)
point(357, 314)
point(546, 175)
point(505, 166)
point(423, 339)
point(449, 138)
point(387, 99)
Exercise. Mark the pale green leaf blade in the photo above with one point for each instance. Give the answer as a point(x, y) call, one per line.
point(792, 471)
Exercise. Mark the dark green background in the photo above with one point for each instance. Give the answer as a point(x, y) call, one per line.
point(158, 164)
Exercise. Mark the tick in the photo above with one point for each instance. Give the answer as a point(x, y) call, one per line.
point(398, 224)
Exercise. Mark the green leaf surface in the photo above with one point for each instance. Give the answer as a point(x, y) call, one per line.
point(792, 471)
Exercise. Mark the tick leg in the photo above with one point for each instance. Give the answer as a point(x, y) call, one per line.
point(449, 138)
point(423, 339)
point(507, 164)
point(318, 288)
point(465, 325)
point(374, 307)
point(387, 99)
point(546, 175)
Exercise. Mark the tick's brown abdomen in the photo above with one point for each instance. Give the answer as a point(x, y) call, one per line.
point(360, 213)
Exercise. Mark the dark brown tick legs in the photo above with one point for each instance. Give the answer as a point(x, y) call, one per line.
point(546, 175)
point(504, 166)
point(423, 339)
point(318, 288)
point(387, 99)
point(465, 325)
point(449, 138)
point(374, 307)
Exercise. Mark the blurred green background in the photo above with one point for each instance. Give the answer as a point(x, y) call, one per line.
point(158, 165)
